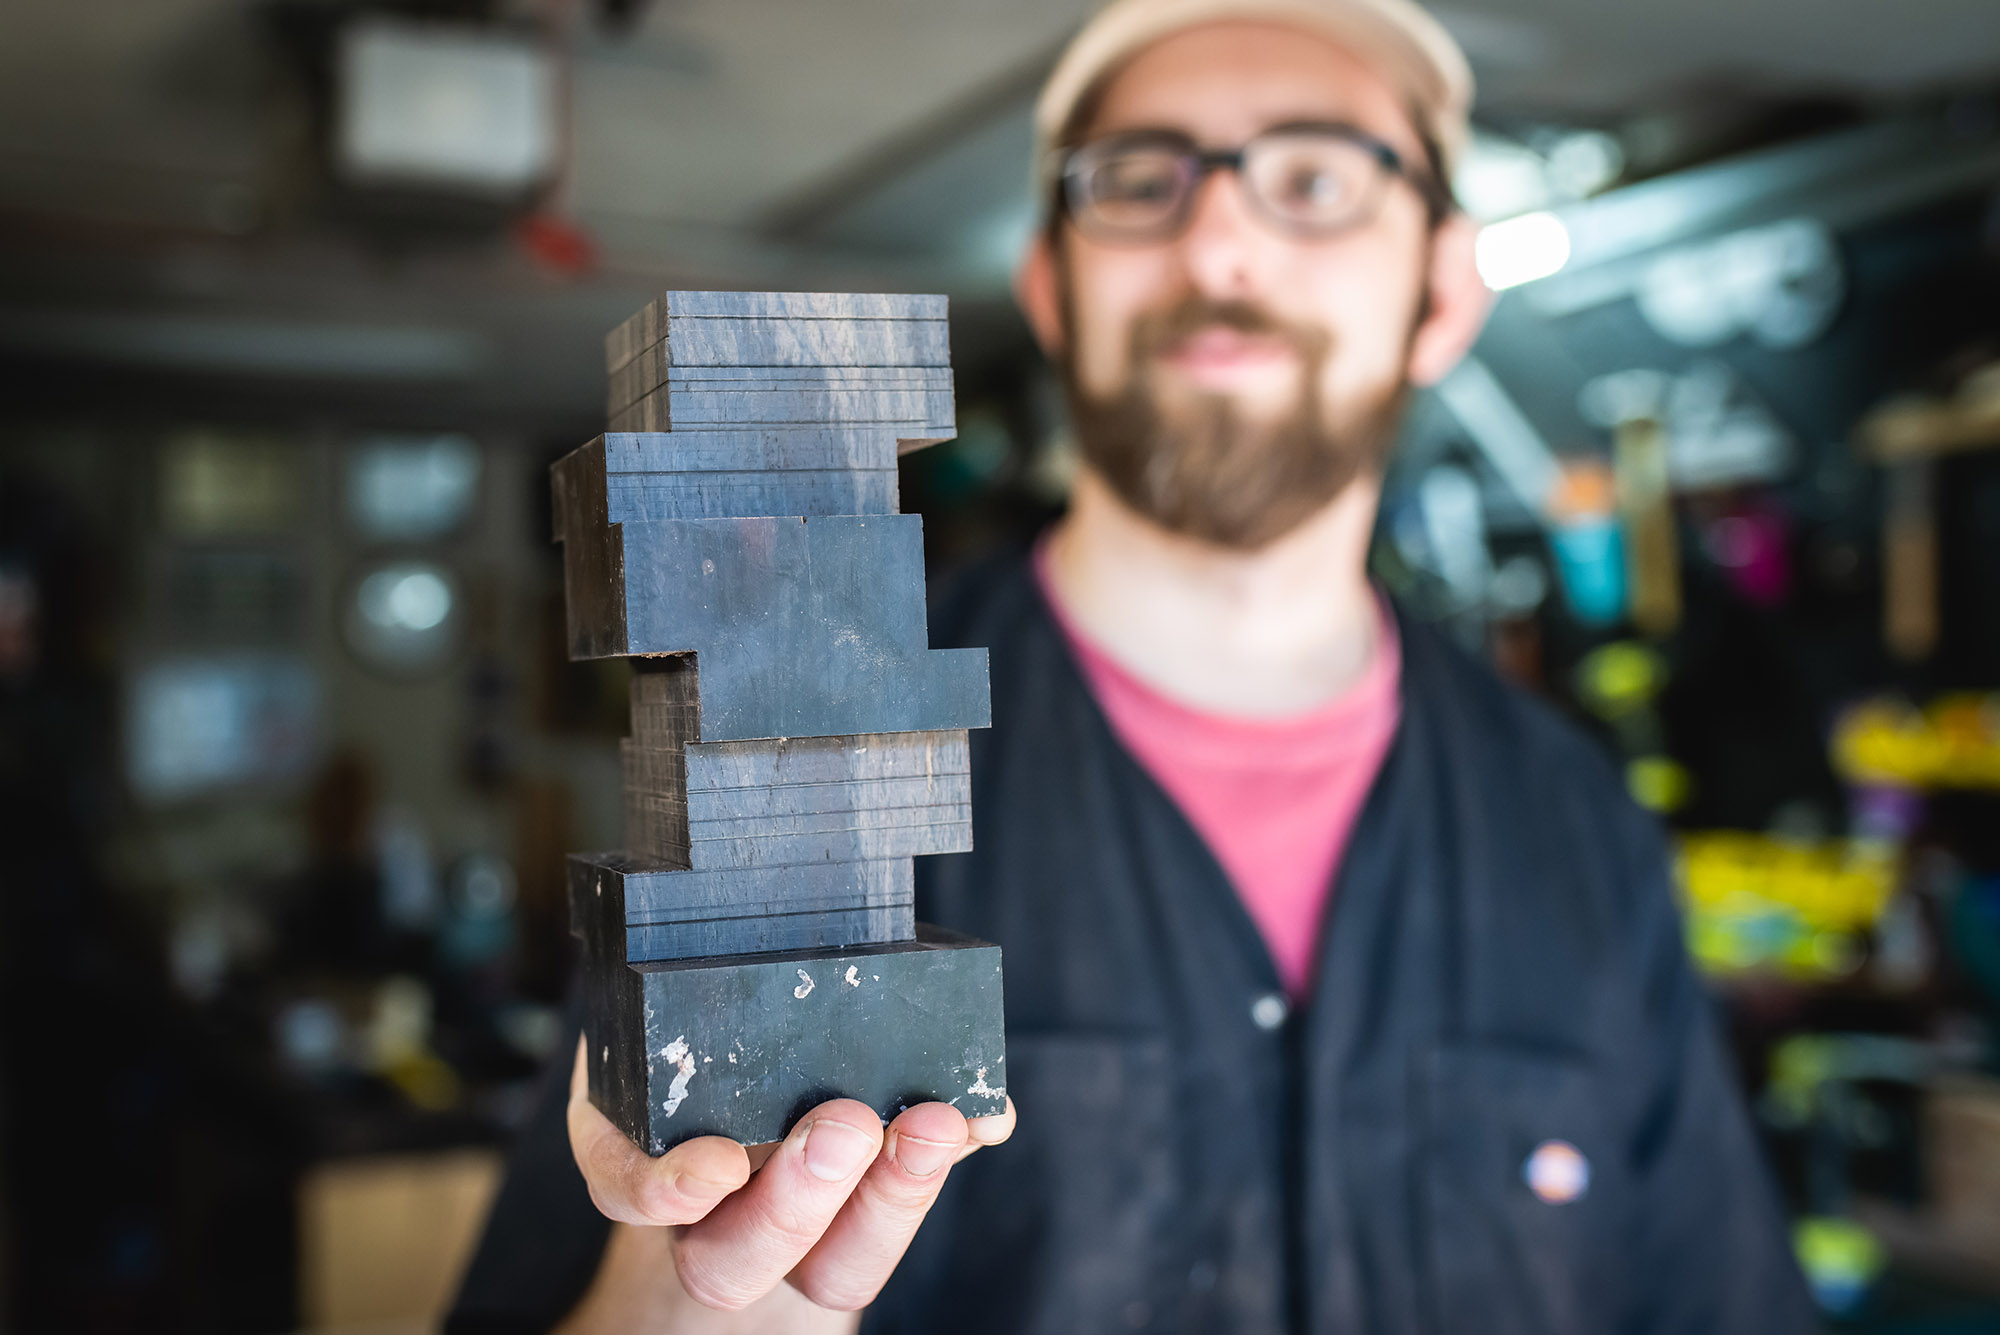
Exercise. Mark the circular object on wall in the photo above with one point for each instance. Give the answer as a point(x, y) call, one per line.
point(403, 617)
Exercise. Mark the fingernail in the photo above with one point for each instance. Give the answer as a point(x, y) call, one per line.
point(921, 1158)
point(835, 1150)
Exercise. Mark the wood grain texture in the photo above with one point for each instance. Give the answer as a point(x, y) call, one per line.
point(654, 497)
point(649, 324)
point(672, 407)
point(776, 449)
point(804, 627)
point(643, 375)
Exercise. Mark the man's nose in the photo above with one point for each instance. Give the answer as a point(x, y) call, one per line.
point(1224, 249)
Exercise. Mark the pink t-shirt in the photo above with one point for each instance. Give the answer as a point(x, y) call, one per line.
point(1274, 799)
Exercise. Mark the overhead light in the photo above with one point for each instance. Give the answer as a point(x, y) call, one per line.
point(403, 618)
point(452, 107)
point(1521, 250)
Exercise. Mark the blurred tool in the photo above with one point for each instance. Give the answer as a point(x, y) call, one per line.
point(1907, 436)
point(1952, 743)
point(1633, 405)
point(1841, 1259)
point(1588, 544)
point(1621, 684)
point(1801, 910)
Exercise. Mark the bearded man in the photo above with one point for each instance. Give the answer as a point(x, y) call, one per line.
point(1344, 988)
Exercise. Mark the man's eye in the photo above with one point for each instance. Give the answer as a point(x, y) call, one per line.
point(1137, 183)
point(1309, 186)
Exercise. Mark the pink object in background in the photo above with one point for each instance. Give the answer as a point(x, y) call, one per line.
point(1274, 799)
point(1751, 543)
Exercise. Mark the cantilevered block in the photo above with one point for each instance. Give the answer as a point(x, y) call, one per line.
point(781, 802)
point(803, 627)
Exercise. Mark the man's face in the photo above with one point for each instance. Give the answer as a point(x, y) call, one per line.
point(1229, 381)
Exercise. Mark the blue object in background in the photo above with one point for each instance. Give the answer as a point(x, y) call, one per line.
point(1590, 560)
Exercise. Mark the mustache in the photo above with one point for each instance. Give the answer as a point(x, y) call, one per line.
point(1162, 329)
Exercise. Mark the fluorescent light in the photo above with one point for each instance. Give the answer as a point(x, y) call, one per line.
point(441, 105)
point(1521, 250)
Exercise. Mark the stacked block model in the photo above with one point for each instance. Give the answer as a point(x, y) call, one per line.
point(795, 741)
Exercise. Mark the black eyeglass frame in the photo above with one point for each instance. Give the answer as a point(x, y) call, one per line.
point(1426, 181)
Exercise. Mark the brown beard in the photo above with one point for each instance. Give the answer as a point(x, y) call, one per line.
point(1207, 472)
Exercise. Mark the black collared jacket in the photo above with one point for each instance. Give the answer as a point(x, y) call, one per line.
point(1501, 968)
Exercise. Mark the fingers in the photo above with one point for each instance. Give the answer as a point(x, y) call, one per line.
point(631, 1187)
point(984, 1131)
point(869, 1236)
point(752, 1240)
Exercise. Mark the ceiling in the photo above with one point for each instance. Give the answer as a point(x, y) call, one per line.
point(152, 152)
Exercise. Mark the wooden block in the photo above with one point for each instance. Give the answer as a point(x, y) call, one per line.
point(805, 627)
point(642, 375)
point(815, 305)
point(777, 449)
point(650, 893)
point(712, 809)
point(671, 408)
point(808, 343)
point(881, 835)
point(673, 914)
point(791, 933)
point(652, 497)
point(816, 760)
point(709, 806)
point(767, 377)
point(743, 1046)
point(649, 324)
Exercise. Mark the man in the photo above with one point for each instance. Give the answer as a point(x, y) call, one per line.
point(1344, 990)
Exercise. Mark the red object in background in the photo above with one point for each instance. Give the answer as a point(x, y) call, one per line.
point(557, 244)
point(1751, 543)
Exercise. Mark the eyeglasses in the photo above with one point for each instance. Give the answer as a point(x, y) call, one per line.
point(1306, 180)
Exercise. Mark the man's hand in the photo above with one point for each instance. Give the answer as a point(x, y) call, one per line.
point(831, 1208)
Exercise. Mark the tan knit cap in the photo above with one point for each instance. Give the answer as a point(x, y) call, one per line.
point(1400, 40)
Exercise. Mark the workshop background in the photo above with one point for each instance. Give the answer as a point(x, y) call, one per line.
point(298, 300)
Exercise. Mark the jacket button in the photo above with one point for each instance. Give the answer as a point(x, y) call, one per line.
point(1269, 1011)
point(1556, 1172)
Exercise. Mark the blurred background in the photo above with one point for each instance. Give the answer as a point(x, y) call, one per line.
point(298, 300)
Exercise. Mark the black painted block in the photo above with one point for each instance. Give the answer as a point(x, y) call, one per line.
point(789, 342)
point(776, 450)
point(783, 801)
point(803, 627)
point(910, 413)
point(650, 324)
point(645, 911)
point(743, 1046)
point(654, 369)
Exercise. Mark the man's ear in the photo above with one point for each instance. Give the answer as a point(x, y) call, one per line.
point(1459, 301)
point(1035, 292)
